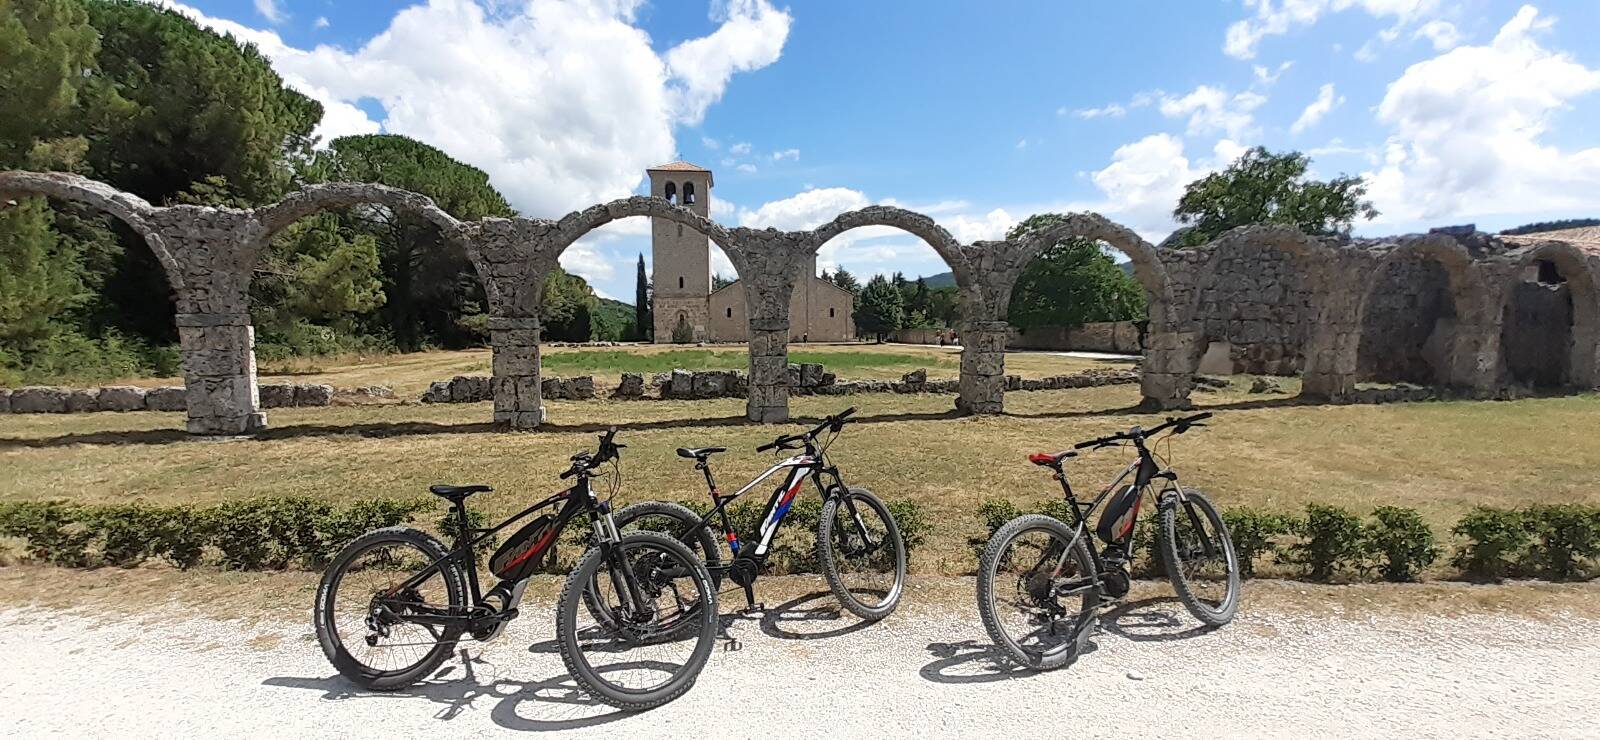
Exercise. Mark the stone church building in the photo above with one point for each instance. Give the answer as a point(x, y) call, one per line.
point(685, 304)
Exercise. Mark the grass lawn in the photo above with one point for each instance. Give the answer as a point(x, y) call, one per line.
point(410, 374)
point(1440, 457)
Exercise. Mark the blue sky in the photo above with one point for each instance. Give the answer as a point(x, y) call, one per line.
point(979, 114)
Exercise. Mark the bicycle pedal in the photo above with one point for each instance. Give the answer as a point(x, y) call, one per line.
point(754, 608)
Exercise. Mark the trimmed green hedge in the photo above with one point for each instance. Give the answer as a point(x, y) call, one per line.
point(280, 532)
point(1558, 543)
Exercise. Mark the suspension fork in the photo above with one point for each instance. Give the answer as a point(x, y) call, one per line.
point(622, 577)
point(843, 492)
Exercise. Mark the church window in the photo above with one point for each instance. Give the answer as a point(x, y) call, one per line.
point(830, 313)
point(671, 192)
point(730, 312)
point(688, 193)
point(680, 282)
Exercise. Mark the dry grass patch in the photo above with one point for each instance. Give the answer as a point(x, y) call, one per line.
point(1439, 457)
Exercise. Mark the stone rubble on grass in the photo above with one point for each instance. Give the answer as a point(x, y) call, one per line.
point(165, 398)
point(122, 398)
point(1265, 385)
point(5, 400)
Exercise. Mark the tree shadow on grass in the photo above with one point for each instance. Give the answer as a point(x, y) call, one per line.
point(553, 704)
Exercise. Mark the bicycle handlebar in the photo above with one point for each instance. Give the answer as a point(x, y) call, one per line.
point(835, 422)
point(586, 461)
point(1181, 424)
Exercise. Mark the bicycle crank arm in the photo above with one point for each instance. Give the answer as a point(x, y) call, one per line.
point(1073, 587)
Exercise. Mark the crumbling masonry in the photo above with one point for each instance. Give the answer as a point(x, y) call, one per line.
point(1439, 309)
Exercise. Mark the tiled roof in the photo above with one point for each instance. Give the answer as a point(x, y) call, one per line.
point(679, 166)
point(682, 166)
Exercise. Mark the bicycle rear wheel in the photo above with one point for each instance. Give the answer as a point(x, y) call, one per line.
point(658, 625)
point(1037, 593)
point(1201, 562)
point(365, 627)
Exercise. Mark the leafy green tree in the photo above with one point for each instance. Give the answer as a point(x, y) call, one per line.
point(319, 271)
point(47, 50)
point(881, 310)
point(920, 300)
point(1267, 188)
point(643, 318)
point(39, 278)
point(568, 307)
point(433, 295)
point(174, 103)
point(844, 279)
point(718, 282)
point(1071, 283)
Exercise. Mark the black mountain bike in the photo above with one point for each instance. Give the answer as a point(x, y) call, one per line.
point(859, 547)
point(395, 602)
point(1041, 583)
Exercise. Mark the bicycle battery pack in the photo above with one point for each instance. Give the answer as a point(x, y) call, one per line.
point(1116, 522)
point(524, 552)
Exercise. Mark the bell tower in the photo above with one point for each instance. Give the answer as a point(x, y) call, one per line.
point(680, 256)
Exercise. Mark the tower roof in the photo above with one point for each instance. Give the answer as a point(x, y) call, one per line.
point(681, 166)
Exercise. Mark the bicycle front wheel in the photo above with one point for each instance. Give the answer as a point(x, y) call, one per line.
point(658, 626)
point(1201, 562)
point(1037, 592)
point(862, 553)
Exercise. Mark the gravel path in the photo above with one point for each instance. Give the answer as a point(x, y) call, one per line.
point(805, 669)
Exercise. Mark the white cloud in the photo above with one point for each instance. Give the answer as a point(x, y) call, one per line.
point(805, 210)
point(1266, 77)
point(1144, 180)
point(989, 226)
point(321, 22)
point(519, 91)
point(710, 143)
point(1467, 132)
point(1211, 109)
point(1368, 51)
point(270, 10)
point(792, 155)
point(745, 167)
point(1442, 34)
point(740, 149)
point(751, 36)
point(1022, 144)
point(1278, 17)
point(1110, 110)
point(1326, 101)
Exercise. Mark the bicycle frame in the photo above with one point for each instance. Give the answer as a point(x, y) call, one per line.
point(811, 464)
point(574, 500)
point(1145, 470)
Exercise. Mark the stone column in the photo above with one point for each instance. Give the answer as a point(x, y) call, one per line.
point(769, 371)
point(1167, 373)
point(983, 368)
point(219, 373)
point(515, 341)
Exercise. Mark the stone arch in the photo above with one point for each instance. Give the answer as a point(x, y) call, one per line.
point(1252, 299)
point(1580, 366)
point(128, 208)
point(576, 225)
point(1167, 370)
point(1466, 356)
point(911, 222)
point(1147, 266)
point(315, 199)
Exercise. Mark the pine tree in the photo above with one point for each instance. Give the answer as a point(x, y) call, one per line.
point(643, 321)
point(881, 310)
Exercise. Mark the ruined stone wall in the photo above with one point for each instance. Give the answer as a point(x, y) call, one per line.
point(1409, 324)
point(1250, 303)
point(1537, 337)
point(1273, 298)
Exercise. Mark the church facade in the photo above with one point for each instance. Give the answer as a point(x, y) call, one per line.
point(687, 309)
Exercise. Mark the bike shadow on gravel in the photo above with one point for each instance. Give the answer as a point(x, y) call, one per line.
point(802, 618)
point(553, 704)
point(1156, 619)
point(971, 661)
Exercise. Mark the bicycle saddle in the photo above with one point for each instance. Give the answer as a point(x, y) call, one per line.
point(457, 492)
point(699, 453)
point(1047, 459)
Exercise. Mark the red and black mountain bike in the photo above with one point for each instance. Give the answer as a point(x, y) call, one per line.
point(1041, 581)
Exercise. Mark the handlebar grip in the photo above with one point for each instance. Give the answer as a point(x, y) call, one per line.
point(769, 446)
point(569, 473)
point(1090, 443)
point(847, 413)
point(1200, 417)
